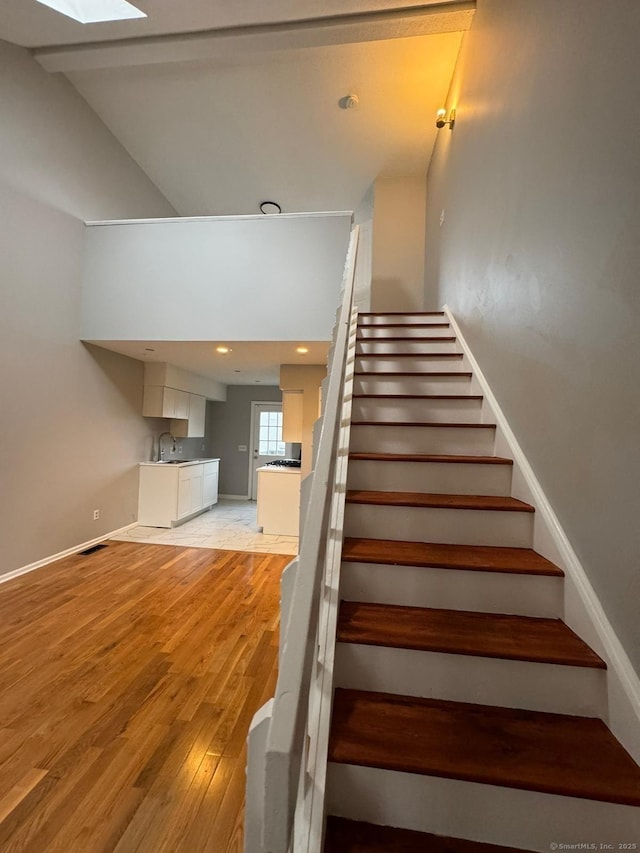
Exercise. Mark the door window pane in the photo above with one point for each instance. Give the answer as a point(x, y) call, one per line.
point(271, 443)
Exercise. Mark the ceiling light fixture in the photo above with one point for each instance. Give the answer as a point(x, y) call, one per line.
point(442, 120)
point(223, 350)
point(94, 11)
point(270, 207)
point(302, 350)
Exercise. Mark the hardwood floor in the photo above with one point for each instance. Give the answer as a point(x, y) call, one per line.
point(128, 679)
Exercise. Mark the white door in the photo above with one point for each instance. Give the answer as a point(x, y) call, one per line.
point(266, 439)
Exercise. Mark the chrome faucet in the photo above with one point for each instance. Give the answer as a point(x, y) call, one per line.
point(161, 448)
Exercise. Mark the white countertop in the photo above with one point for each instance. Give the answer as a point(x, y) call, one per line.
point(279, 469)
point(171, 464)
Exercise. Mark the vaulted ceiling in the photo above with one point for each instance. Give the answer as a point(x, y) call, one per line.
point(226, 104)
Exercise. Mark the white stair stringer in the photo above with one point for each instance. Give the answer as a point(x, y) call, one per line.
point(478, 812)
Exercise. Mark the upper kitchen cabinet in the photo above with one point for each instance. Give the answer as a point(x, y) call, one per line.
point(193, 427)
point(160, 401)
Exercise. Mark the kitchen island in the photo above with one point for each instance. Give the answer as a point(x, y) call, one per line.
point(173, 492)
point(278, 509)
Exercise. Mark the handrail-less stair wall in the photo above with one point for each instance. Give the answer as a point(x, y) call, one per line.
point(287, 733)
point(446, 667)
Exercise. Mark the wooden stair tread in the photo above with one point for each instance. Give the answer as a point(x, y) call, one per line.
point(422, 424)
point(475, 397)
point(418, 355)
point(529, 750)
point(438, 555)
point(435, 339)
point(401, 314)
point(425, 500)
point(351, 836)
point(491, 635)
point(429, 457)
point(403, 325)
point(440, 373)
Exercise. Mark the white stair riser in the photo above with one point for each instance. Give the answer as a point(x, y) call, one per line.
point(405, 332)
point(439, 440)
point(435, 477)
point(377, 319)
point(464, 678)
point(370, 384)
point(433, 411)
point(453, 589)
point(419, 347)
point(506, 816)
point(455, 526)
point(415, 364)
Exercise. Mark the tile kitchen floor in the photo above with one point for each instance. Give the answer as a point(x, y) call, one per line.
point(229, 525)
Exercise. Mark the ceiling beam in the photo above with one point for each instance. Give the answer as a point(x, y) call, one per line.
point(231, 44)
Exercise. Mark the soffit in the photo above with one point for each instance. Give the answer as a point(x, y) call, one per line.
point(248, 363)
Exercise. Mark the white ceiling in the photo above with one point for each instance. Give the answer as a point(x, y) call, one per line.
point(245, 107)
point(218, 139)
point(248, 362)
point(28, 23)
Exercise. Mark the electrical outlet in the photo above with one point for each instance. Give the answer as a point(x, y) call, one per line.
point(442, 217)
point(96, 514)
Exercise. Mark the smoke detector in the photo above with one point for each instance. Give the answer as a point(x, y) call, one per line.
point(349, 102)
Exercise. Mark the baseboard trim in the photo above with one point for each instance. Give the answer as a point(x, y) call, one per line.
point(611, 649)
point(234, 497)
point(23, 570)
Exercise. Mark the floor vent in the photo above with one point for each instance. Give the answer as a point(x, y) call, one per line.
point(91, 550)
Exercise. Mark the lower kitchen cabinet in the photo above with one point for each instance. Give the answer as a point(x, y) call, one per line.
point(278, 505)
point(170, 494)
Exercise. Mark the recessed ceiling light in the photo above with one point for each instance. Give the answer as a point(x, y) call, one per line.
point(302, 350)
point(223, 349)
point(95, 11)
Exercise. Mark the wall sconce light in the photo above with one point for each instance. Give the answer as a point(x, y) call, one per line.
point(442, 120)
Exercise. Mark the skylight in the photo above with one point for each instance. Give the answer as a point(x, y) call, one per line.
point(94, 11)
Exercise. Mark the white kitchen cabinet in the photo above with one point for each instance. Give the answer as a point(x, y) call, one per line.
point(210, 484)
point(170, 494)
point(162, 402)
point(278, 509)
point(193, 427)
point(292, 403)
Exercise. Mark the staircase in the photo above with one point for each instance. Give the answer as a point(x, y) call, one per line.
point(466, 713)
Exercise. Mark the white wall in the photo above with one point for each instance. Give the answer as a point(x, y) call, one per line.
point(236, 278)
point(70, 424)
point(398, 244)
point(539, 259)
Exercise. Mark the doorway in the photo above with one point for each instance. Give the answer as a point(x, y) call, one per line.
point(266, 440)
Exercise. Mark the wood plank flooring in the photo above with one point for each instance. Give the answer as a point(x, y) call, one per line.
point(128, 679)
